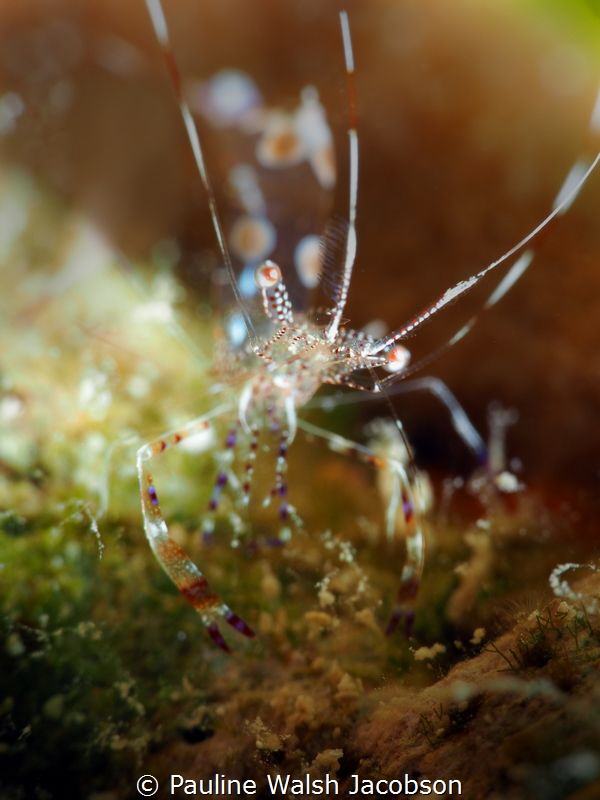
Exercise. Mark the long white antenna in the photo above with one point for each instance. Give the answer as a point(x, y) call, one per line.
point(161, 31)
point(563, 200)
point(350, 255)
point(565, 197)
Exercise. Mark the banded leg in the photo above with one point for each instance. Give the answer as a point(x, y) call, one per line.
point(289, 518)
point(224, 476)
point(402, 496)
point(280, 488)
point(188, 578)
point(249, 466)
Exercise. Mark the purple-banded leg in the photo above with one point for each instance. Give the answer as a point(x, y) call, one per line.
point(402, 499)
point(188, 578)
point(249, 465)
point(280, 488)
point(224, 476)
point(288, 516)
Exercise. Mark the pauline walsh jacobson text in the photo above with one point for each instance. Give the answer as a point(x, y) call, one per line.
point(285, 785)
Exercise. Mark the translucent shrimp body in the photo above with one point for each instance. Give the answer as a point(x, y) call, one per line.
point(288, 355)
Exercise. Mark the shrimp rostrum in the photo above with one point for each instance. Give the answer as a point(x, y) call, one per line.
point(284, 351)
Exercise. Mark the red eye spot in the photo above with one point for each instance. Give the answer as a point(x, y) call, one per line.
point(267, 275)
point(397, 359)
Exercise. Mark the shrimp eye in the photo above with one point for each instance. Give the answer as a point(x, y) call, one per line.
point(397, 359)
point(267, 275)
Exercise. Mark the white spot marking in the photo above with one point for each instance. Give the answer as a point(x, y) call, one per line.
point(511, 277)
point(347, 39)
point(158, 21)
point(308, 260)
point(252, 238)
point(227, 98)
point(235, 326)
point(199, 441)
point(570, 188)
point(244, 180)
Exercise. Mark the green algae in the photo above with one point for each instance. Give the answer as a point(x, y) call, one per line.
point(105, 671)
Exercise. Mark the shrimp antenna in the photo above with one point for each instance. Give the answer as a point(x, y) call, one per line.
point(350, 254)
point(569, 190)
point(161, 31)
point(565, 197)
